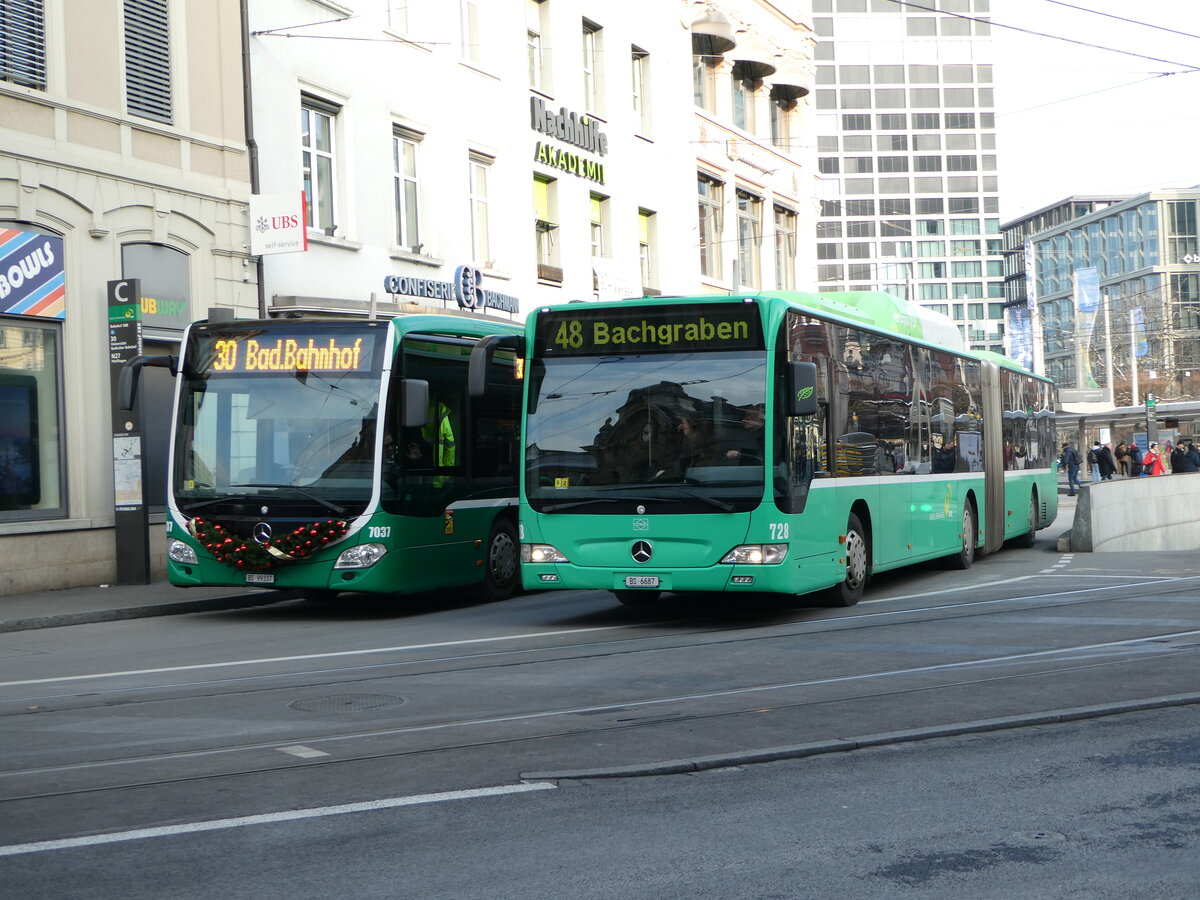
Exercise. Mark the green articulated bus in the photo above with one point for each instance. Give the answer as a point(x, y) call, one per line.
point(774, 442)
point(328, 455)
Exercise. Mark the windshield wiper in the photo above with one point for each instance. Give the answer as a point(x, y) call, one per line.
point(554, 507)
point(711, 501)
point(228, 498)
point(299, 490)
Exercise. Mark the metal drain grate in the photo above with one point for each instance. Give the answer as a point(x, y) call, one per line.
point(344, 703)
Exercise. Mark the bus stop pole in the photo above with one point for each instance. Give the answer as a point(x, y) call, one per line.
point(131, 523)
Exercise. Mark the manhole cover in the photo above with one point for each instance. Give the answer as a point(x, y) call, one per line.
point(342, 703)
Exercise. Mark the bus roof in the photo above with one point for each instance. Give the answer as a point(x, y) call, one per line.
point(890, 313)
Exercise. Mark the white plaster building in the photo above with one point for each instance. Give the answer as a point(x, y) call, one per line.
point(553, 147)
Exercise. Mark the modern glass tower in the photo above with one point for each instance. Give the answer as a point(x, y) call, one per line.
point(907, 156)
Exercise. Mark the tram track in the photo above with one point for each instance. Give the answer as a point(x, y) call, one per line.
point(1062, 660)
point(621, 725)
point(503, 658)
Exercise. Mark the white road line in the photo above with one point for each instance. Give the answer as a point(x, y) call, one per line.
point(139, 834)
point(303, 752)
point(1084, 651)
point(573, 631)
point(331, 655)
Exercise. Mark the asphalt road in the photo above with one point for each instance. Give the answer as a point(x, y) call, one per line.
point(1105, 808)
point(146, 740)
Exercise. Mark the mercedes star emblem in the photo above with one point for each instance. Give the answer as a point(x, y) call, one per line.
point(641, 510)
point(262, 532)
point(642, 551)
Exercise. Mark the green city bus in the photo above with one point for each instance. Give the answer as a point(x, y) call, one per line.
point(322, 455)
point(775, 442)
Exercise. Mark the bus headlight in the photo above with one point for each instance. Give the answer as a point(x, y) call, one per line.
point(541, 553)
point(756, 555)
point(178, 551)
point(361, 557)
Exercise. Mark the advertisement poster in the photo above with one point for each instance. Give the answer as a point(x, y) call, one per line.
point(32, 280)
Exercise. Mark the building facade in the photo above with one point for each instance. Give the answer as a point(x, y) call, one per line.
point(536, 152)
point(1118, 298)
point(907, 153)
point(504, 155)
point(1019, 232)
point(122, 156)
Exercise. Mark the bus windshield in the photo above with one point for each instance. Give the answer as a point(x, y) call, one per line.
point(682, 431)
point(279, 413)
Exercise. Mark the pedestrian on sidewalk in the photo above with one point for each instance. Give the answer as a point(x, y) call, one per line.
point(1181, 461)
point(1122, 455)
point(1070, 461)
point(1135, 461)
point(1153, 462)
point(1093, 458)
point(1107, 464)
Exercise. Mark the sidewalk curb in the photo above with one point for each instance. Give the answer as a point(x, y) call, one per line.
point(842, 745)
point(212, 604)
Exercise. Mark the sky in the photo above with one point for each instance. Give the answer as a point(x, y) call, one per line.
point(1077, 120)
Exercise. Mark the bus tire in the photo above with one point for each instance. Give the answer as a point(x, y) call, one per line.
point(858, 566)
point(501, 561)
point(1026, 540)
point(637, 598)
point(966, 551)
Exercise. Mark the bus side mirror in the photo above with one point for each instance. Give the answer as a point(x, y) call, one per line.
point(802, 389)
point(414, 401)
point(131, 373)
point(481, 359)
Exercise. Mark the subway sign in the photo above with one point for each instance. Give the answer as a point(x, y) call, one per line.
point(659, 329)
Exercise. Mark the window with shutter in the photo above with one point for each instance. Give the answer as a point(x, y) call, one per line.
point(23, 43)
point(147, 60)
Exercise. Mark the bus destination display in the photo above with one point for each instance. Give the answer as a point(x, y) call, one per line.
point(666, 329)
point(271, 351)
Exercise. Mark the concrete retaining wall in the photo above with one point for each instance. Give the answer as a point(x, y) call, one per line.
point(1160, 513)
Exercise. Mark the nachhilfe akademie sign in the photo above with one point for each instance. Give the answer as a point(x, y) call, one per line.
point(580, 131)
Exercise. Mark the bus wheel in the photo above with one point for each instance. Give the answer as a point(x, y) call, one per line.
point(1026, 540)
point(501, 564)
point(851, 589)
point(966, 551)
point(637, 598)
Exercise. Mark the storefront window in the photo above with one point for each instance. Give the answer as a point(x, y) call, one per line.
point(30, 431)
point(164, 273)
point(32, 296)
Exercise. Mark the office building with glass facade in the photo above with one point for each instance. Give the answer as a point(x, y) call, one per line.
point(1146, 255)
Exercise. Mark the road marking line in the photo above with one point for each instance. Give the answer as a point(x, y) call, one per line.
point(331, 655)
point(369, 651)
point(139, 834)
point(303, 752)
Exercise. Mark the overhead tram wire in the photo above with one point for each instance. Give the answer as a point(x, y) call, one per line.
point(1054, 37)
point(1106, 15)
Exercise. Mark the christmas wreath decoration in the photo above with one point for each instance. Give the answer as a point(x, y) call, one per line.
point(231, 550)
